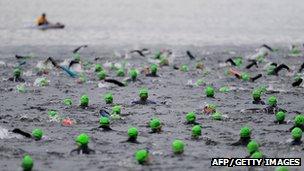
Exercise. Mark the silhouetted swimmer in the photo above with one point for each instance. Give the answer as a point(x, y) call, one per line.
point(155, 125)
point(133, 74)
point(84, 101)
point(196, 132)
point(175, 67)
point(231, 62)
point(50, 59)
point(105, 124)
point(244, 76)
point(296, 134)
point(252, 79)
point(21, 63)
point(298, 122)
point(82, 141)
point(191, 118)
point(209, 91)
point(73, 62)
point(272, 107)
point(280, 118)
point(142, 157)
point(17, 76)
point(245, 134)
point(153, 71)
point(253, 63)
point(178, 147)
point(274, 69)
point(252, 147)
point(140, 52)
point(143, 98)
point(132, 135)
point(71, 73)
point(297, 82)
point(37, 133)
point(190, 55)
point(27, 163)
point(257, 155)
point(23, 133)
point(78, 48)
point(280, 67)
point(22, 57)
point(267, 47)
point(301, 68)
point(120, 84)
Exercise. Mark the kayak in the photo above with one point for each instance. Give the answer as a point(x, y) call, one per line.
point(50, 26)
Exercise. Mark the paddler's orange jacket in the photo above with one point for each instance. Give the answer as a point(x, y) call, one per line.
point(41, 20)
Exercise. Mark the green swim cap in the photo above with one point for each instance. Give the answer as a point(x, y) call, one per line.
point(101, 75)
point(43, 82)
point(21, 88)
point(262, 88)
point(199, 82)
point(211, 106)
point(143, 94)
point(37, 134)
point(155, 124)
point(68, 102)
point(191, 117)
point(52, 113)
point(260, 58)
point(252, 147)
point(132, 132)
point(238, 61)
point(280, 116)
point(217, 116)
point(184, 68)
point(108, 98)
point(257, 155)
point(245, 76)
point(142, 156)
point(209, 91)
point(224, 89)
point(281, 168)
point(98, 68)
point(84, 101)
point(196, 131)
point(272, 101)
point(82, 139)
point(299, 121)
point(120, 72)
point(157, 55)
point(296, 133)
point(270, 69)
point(116, 109)
point(297, 78)
point(27, 163)
point(133, 74)
point(178, 146)
point(245, 132)
point(17, 72)
point(104, 121)
point(256, 94)
point(164, 61)
point(153, 69)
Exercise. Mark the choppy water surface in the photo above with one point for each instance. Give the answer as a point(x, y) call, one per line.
point(196, 22)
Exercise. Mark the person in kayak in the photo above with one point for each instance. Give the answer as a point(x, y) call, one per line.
point(42, 20)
